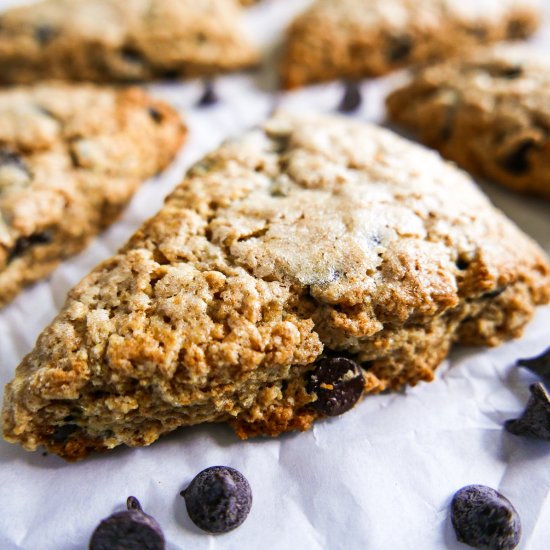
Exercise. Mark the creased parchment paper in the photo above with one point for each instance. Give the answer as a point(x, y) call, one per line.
point(377, 478)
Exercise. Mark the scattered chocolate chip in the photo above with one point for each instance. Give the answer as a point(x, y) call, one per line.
point(535, 420)
point(540, 365)
point(155, 114)
point(129, 530)
point(338, 383)
point(494, 293)
point(517, 162)
point(64, 432)
point(209, 96)
point(22, 244)
point(218, 499)
point(351, 100)
point(483, 518)
point(511, 72)
point(399, 48)
point(45, 33)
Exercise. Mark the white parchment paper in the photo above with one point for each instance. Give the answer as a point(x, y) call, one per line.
point(380, 477)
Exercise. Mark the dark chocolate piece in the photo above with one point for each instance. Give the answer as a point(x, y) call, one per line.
point(540, 365)
point(351, 100)
point(535, 420)
point(209, 96)
point(22, 244)
point(517, 162)
point(129, 530)
point(483, 518)
point(218, 499)
point(338, 383)
point(399, 48)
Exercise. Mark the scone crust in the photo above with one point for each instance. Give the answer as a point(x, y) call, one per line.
point(122, 41)
point(353, 39)
point(489, 112)
point(313, 235)
point(71, 157)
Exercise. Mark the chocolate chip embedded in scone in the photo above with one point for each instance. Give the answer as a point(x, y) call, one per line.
point(122, 41)
point(71, 157)
point(489, 112)
point(294, 271)
point(353, 39)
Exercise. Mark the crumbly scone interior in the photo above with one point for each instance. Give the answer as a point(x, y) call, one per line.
point(130, 40)
point(315, 235)
point(489, 112)
point(358, 38)
point(70, 159)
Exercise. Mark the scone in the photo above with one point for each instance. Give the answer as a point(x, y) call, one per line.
point(122, 41)
point(353, 39)
point(294, 269)
point(71, 157)
point(489, 112)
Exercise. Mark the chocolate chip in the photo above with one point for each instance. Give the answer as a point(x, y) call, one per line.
point(510, 72)
point(218, 499)
point(540, 365)
point(483, 518)
point(518, 29)
point(45, 33)
point(22, 244)
point(351, 100)
point(129, 530)
point(535, 421)
point(209, 96)
point(155, 114)
point(9, 158)
point(494, 293)
point(517, 162)
point(131, 55)
point(462, 264)
point(399, 48)
point(338, 383)
point(64, 432)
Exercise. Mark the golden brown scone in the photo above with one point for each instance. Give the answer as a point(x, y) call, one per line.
point(122, 41)
point(71, 157)
point(294, 269)
point(353, 39)
point(489, 112)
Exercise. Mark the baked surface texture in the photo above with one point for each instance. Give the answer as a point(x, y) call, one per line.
point(353, 39)
point(313, 236)
point(71, 157)
point(489, 112)
point(122, 41)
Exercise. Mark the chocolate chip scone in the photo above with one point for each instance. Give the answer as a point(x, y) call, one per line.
point(71, 157)
point(123, 41)
point(293, 270)
point(489, 112)
point(357, 38)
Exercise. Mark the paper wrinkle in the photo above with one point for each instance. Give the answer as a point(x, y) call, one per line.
point(379, 477)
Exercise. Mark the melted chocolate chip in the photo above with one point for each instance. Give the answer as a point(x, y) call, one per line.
point(209, 96)
point(511, 72)
point(351, 100)
point(129, 530)
point(218, 499)
point(45, 33)
point(540, 365)
point(517, 162)
point(64, 432)
point(399, 48)
point(462, 264)
point(338, 383)
point(155, 114)
point(535, 420)
point(483, 518)
point(22, 244)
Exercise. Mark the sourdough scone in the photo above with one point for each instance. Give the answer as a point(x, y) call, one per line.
point(71, 157)
point(293, 269)
point(489, 112)
point(357, 38)
point(124, 41)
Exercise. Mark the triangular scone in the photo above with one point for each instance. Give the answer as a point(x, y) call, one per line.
point(312, 238)
point(354, 39)
point(122, 40)
point(71, 157)
point(488, 111)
